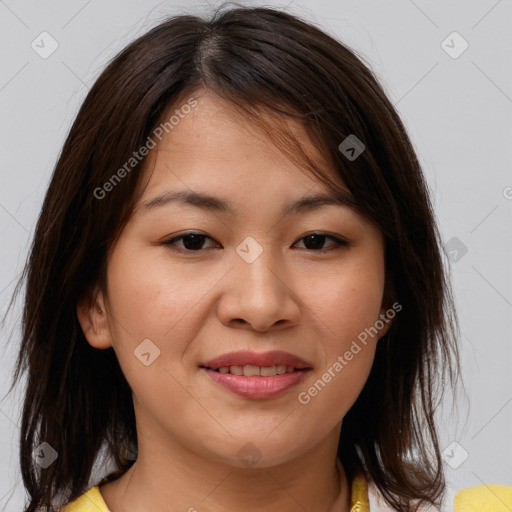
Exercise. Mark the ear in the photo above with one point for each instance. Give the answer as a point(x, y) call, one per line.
point(387, 301)
point(93, 318)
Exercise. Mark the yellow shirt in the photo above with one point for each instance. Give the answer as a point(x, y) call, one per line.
point(92, 501)
point(484, 498)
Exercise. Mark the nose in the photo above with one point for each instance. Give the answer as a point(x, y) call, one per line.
point(259, 296)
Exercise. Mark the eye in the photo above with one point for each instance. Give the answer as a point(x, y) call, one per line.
point(194, 242)
point(191, 241)
point(315, 242)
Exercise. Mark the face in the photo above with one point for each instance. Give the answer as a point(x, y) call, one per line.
point(192, 281)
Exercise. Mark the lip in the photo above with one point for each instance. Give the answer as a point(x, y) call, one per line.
point(246, 357)
point(257, 387)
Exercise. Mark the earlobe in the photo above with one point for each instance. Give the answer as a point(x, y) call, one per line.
point(93, 318)
point(387, 324)
point(387, 300)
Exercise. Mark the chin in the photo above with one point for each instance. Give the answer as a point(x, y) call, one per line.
point(257, 451)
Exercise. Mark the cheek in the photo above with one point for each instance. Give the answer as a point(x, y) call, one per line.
point(148, 296)
point(346, 308)
point(148, 300)
point(348, 353)
point(348, 301)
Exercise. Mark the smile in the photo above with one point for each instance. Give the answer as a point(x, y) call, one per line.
point(256, 375)
point(255, 371)
point(256, 386)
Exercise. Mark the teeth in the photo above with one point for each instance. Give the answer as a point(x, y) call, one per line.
point(281, 369)
point(236, 370)
point(268, 371)
point(257, 371)
point(251, 371)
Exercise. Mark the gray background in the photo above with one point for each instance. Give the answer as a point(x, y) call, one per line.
point(458, 113)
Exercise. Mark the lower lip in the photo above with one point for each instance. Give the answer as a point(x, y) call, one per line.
point(257, 387)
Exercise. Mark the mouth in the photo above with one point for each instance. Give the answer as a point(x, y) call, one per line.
point(252, 364)
point(255, 371)
point(257, 375)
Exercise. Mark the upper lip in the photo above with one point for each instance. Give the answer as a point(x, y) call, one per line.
point(246, 357)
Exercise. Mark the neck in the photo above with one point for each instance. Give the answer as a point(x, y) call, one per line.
point(177, 479)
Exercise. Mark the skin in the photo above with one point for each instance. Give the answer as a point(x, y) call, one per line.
point(197, 305)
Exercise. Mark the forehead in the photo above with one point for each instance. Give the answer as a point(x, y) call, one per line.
point(217, 145)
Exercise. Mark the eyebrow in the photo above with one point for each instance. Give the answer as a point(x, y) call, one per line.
point(216, 204)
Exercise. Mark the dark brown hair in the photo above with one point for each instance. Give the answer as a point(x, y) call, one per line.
point(264, 61)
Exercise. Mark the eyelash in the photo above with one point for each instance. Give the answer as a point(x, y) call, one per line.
point(339, 243)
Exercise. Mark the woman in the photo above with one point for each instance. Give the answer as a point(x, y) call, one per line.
point(243, 287)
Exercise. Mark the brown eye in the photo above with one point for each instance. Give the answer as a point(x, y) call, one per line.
point(191, 242)
point(194, 242)
point(315, 242)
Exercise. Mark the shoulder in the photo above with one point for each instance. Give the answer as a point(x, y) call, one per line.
point(484, 498)
point(91, 501)
point(378, 503)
